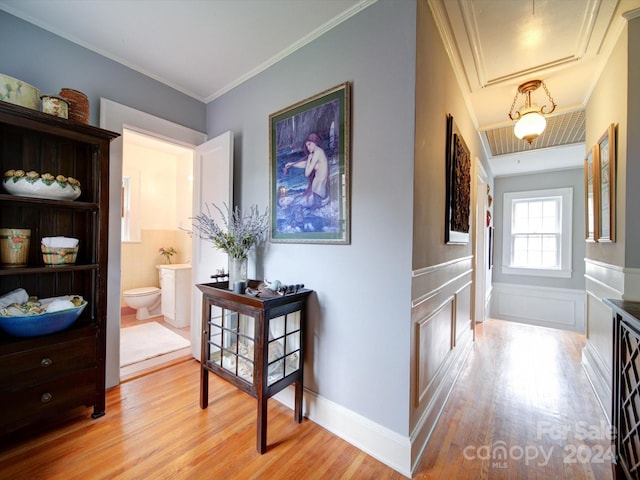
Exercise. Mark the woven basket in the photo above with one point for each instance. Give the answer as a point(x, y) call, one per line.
point(59, 255)
point(78, 104)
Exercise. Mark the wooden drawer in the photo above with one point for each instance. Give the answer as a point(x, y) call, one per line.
point(41, 364)
point(44, 401)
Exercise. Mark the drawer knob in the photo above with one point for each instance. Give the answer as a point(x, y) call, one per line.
point(46, 362)
point(46, 397)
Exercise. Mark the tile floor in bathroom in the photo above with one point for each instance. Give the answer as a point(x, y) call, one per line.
point(128, 319)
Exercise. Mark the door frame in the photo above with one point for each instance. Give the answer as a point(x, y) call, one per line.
point(480, 245)
point(116, 117)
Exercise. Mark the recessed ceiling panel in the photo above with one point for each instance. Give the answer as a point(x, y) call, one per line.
point(524, 35)
point(502, 40)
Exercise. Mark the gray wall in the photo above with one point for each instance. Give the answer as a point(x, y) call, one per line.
point(359, 328)
point(540, 181)
point(49, 62)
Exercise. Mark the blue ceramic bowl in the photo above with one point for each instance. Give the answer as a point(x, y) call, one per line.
point(42, 324)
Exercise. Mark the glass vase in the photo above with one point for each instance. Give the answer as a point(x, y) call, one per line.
point(237, 270)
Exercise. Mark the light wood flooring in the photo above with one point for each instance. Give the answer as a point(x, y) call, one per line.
point(523, 388)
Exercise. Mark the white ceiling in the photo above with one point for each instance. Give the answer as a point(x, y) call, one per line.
point(206, 47)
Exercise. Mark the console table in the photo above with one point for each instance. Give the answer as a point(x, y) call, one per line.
point(255, 343)
point(626, 388)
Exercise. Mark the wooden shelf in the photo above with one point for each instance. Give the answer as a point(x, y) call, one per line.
point(75, 205)
point(46, 269)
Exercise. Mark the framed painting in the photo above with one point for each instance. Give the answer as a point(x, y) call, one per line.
point(590, 195)
point(309, 145)
point(491, 250)
point(458, 186)
point(606, 164)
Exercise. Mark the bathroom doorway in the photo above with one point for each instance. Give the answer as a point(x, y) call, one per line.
point(157, 178)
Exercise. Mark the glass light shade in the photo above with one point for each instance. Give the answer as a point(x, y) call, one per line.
point(530, 125)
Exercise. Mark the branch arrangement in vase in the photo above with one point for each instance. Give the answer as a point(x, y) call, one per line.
point(235, 233)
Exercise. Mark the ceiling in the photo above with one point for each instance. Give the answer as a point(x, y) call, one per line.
point(205, 48)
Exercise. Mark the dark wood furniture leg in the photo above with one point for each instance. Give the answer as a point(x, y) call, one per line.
point(204, 388)
point(262, 424)
point(297, 411)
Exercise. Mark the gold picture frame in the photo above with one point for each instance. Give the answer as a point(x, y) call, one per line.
point(591, 200)
point(605, 162)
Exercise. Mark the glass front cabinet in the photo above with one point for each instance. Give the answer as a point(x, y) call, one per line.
point(255, 343)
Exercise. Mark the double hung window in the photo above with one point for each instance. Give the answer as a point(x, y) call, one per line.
point(537, 233)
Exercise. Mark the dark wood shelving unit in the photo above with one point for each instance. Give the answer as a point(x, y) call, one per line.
point(43, 377)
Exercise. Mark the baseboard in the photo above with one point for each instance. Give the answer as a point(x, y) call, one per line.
point(398, 452)
point(387, 446)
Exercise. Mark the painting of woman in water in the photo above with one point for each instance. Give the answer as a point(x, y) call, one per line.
point(309, 170)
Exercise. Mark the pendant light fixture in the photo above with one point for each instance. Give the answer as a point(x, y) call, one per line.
point(530, 118)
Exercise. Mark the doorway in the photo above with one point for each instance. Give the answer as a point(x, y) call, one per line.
point(117, 118)
point(157, 177)
point(481, 243)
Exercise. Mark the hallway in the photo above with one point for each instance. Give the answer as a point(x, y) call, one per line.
point(522, 408)
point(523, 389)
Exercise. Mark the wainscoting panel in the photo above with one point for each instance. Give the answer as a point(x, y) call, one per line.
point(601, 281)
point(542, 306)
point(442, 338)
point(435, 342)
point(463, 313)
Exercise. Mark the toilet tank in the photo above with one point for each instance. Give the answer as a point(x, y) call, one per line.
point(175, 282)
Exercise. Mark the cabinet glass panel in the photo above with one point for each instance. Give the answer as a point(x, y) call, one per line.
point(293, 322)
point(231, 342)
point(215, 337)
point(284, 347)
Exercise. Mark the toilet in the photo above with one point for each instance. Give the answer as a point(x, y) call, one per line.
point(147, 301)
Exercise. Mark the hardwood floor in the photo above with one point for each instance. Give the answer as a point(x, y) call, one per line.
point(523, 389)
point(523, 386)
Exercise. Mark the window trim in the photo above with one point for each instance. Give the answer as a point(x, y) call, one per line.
point(566, 245)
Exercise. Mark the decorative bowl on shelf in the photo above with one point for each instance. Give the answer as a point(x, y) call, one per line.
point(18, 92)
point(32, 184)
point(42, 323)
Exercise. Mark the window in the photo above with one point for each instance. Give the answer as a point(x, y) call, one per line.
point(537, 233)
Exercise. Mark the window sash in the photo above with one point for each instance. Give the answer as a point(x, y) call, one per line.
point(536, 250)
point(545, 231)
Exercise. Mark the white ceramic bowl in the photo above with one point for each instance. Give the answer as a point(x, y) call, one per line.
point(23, 187)
point(18, 92)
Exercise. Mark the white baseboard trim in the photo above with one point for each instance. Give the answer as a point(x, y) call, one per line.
point(560, 308)
point(387, 446)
